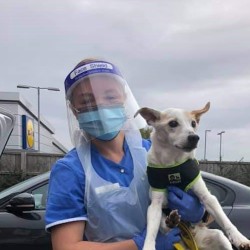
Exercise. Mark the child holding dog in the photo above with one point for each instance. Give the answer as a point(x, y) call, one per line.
point(99, 192)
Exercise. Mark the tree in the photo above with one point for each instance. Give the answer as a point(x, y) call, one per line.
point(145, 132)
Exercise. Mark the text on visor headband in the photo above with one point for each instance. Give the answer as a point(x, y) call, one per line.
point(89, 69)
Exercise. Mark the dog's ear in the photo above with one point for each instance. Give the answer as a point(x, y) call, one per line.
point(150, 115)
point(197, 113)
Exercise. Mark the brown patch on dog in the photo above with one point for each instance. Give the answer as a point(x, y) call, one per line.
point(197, 113)
point(244, 246)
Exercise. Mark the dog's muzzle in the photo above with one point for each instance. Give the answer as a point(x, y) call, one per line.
point(192, 141)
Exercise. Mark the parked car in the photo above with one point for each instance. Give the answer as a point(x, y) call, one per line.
point(22, 206)
point(7, 122)
point(22, 210)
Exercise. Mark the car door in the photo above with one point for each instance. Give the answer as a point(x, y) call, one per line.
point(25, 229)
point(224, 195)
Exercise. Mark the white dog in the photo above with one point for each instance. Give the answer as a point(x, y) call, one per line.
point(173, 144)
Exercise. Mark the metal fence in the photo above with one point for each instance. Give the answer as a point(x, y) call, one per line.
point(18, 165)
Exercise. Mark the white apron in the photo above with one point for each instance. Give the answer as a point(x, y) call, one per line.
point(116, 213)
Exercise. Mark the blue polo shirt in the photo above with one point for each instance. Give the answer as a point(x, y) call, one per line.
point(67, 183)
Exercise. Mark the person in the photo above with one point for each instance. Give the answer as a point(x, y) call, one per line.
point(98, 192)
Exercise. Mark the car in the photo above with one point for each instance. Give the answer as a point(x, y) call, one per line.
point(22, 210)
point(23, 206)
point(7, 122)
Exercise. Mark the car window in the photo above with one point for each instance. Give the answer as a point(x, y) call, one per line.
point(24, 185)
point(40, 195)
point(219, 192)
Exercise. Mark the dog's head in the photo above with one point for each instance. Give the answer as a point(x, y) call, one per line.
point(175, 127)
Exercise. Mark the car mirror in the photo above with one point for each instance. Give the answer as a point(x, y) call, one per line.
point(21, 202)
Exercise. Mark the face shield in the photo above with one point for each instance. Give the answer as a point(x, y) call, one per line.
point(99, 103)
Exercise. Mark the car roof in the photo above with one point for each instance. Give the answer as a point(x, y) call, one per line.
point(224, 180)
point(242, 192)
point(7, 122)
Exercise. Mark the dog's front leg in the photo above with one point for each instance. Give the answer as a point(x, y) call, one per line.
point(214, 208)
point(154, 214)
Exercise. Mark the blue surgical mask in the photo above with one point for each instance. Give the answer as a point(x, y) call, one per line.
point(104, 123)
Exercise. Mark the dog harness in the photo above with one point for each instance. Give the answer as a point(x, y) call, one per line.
point(182, 175)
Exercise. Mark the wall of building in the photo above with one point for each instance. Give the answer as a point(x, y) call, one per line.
point(18, 106)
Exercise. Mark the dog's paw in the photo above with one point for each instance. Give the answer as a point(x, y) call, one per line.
point(237, 239)
point(173, 219)
point(244, 246)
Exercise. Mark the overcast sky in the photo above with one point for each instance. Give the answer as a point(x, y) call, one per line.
point(173, 54)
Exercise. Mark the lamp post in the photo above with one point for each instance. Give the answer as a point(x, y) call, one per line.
point(220, 134)
point(38, 104)
point(205, 148)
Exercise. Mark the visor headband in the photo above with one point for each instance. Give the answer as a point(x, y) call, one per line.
point(89, 69)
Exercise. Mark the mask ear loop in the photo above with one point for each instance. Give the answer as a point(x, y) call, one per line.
point(74, 110)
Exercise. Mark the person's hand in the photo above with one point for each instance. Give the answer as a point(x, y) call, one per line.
point(166, 241)
point(163, 241)
point(188, 205)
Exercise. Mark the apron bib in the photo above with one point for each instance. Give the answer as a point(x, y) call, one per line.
point(116, 213)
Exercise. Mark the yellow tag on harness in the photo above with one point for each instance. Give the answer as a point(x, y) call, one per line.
point(187, 238)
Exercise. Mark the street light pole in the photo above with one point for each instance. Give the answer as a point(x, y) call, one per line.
point(220, 134)
point(205, 148)
point(38, 117)
point(38, 105)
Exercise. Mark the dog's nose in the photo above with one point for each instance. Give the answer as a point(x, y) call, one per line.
point(193, 139)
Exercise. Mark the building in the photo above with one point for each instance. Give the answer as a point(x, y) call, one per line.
point(25, 133)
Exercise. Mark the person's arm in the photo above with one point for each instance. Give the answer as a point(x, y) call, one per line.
point(69, 236)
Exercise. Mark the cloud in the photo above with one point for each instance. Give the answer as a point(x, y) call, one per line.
point(172, 53)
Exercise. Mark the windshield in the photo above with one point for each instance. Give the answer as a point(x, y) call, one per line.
point(7, 121)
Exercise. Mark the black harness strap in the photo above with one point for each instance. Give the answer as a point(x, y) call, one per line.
point(181, 175)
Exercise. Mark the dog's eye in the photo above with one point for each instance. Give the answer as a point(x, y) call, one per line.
point(173, 124)
point(193, 124)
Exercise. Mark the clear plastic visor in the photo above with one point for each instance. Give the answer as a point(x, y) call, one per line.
point(101, 105)
point(97, 91)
